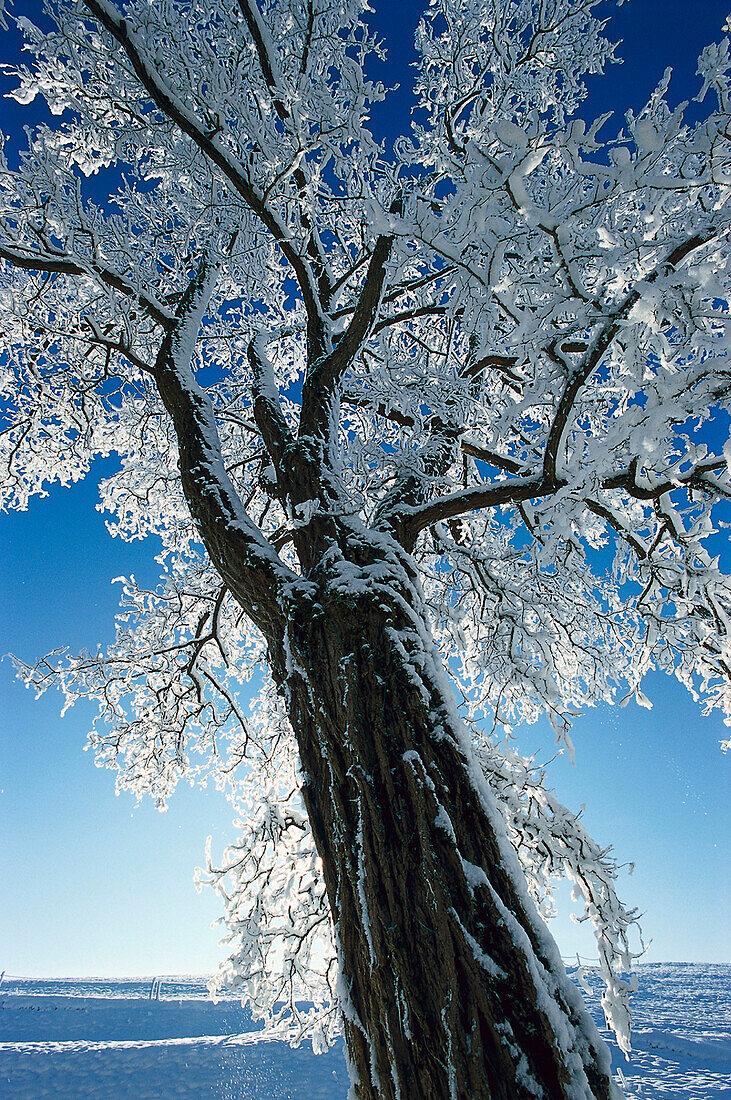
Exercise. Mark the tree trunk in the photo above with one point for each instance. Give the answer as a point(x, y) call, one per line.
point(451, 987)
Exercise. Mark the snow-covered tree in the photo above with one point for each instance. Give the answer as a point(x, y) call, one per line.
point(433, 439)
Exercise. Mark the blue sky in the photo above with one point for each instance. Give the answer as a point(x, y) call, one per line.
point(93, 884)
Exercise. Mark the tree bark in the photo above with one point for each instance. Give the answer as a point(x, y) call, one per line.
point(451, 987)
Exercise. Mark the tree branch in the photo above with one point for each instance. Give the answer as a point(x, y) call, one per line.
point(265, 51)
point(598, 347)
point(186, 121)
point(324, 374)
point(396, 292)
point(63, 265)
point(99, 339)
point(492, 458)
point(410, 315)
point(694, 479)
point(267, 411)
point(616, 524)
point(409, 520)
point(244, 558)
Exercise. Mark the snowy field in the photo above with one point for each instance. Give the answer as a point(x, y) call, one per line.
point(104, 1038)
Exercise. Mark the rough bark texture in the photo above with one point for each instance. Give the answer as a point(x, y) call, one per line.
point(450, 988)
point(447, 991)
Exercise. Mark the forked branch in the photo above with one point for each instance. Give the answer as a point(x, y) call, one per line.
point(245, 559)
point(323, 375)
point(600, 345)
point(188, 123)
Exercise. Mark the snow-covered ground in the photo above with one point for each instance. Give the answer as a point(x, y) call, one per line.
point(104, 1038)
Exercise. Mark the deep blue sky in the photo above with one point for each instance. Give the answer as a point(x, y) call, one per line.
point(94, 885)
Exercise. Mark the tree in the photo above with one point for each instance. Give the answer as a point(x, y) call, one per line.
point(391, 416)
